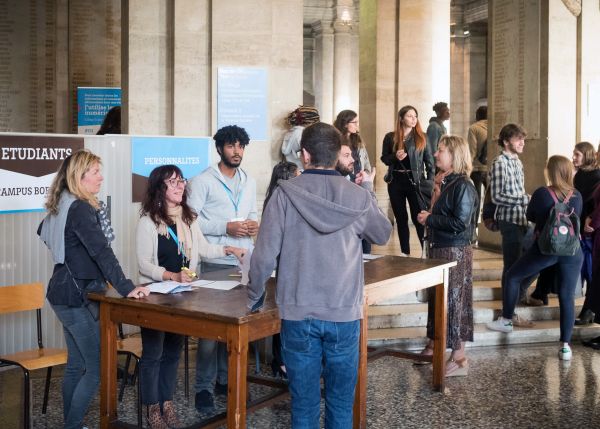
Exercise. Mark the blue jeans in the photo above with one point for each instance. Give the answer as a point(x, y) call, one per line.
point(513, 236)
point(532, 262)
point(313, 349)
point(82, 373)
point(158, 365)
point(211, 365)
point(211, 357)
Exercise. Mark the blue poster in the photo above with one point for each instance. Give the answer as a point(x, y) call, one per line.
point(242, 99)
point(92, 105)
point(190, 154)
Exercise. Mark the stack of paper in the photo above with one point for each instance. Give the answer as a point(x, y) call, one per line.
point(169, 287)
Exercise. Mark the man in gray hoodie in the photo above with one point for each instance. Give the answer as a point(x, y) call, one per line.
point(314, 223)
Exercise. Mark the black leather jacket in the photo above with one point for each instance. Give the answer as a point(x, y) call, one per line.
point(89, 257)
point(421, 162)
point(453, 216)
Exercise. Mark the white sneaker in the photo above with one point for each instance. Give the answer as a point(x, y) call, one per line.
point(565, 352)
point(501, 325)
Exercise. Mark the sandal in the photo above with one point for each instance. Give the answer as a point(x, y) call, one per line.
point(427, 351)
point(457, 368)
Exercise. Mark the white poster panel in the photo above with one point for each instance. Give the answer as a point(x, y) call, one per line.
point(28, 164)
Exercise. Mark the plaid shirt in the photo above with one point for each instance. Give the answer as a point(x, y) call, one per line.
point(507, 183)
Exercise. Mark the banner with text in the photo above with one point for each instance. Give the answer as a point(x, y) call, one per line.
point(92, 105)
point(190, 154)
point(242, 99)
point(28, 165)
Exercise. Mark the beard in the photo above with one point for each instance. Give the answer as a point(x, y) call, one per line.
point(229, 163)
point(345, 170)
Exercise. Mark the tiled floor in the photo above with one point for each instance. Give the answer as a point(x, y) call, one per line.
point(516, 387)
point(507, 387)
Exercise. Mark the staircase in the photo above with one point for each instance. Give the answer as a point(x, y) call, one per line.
point(401, 321)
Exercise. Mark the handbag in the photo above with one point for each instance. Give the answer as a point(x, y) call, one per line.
point(488, 212)
point(92, 306)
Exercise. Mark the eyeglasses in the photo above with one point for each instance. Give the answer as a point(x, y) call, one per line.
point(173, 183)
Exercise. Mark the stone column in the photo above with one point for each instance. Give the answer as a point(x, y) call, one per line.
point(342, 58)
point(423, 58)
point(323, 70)
point(532, 82)
point(404, 59)
point(191, 73)
point(468, 75)
point(588, 104)
point(147, 66)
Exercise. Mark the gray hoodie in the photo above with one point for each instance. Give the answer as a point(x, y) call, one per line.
point(314, 223)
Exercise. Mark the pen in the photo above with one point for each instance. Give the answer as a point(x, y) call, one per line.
point(189, 272)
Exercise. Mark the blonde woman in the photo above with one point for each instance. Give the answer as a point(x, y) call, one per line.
point(450, 223)
point(559, 176)
point(78, 234)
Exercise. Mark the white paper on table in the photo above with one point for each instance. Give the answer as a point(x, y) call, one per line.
point(169, 287)
point(201, 283)
point(218, 284)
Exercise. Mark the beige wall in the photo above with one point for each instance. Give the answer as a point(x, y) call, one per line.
point(273, 41)
point(589, 77)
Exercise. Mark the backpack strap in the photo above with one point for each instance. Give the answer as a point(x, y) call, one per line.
point(555, 198)
point(552, 194)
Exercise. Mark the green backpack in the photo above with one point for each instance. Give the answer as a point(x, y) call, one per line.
point(560, 235)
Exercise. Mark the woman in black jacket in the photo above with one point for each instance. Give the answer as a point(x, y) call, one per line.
point(406, 154)
point(78, 233)
point(450, 226)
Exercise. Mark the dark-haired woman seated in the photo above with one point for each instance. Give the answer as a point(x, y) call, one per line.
point(169, 243)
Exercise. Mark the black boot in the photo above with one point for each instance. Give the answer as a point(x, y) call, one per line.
point(585, 317)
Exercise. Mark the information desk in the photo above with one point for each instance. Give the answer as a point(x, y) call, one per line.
point(222, 316)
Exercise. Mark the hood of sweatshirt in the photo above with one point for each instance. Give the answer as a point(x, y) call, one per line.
point(326, 202)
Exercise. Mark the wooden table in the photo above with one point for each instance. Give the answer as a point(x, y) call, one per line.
point(222, 316)
point(388, 277)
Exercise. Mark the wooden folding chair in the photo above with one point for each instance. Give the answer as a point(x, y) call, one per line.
point(27, 297)
point(131, 347)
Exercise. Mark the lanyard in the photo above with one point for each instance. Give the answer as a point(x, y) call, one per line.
point(236, 203)
point(174, 236)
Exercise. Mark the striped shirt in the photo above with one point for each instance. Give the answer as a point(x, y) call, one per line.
point(507, 183)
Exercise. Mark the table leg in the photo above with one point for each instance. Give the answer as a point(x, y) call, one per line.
point(237, 352)
point(360, 396)
point(439, 342)
point(108, 367)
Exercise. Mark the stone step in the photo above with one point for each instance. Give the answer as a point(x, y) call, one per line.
point(487, 290)
point(415, 315)
point(413, 338)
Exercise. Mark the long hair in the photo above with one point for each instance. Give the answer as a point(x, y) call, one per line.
point(69, 177)
point(559, 174)
point(282, 171)
point(341, 123)
point(461, 155)
point(155, 205)
point(589, 156)
point(112, 122)
point(420, 141)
